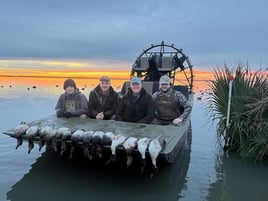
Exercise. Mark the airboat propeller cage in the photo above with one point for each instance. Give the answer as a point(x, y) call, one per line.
point(163, 59)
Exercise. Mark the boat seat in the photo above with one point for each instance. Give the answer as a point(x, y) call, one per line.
point(142, 64)
point(167, 63)
point(150, 87)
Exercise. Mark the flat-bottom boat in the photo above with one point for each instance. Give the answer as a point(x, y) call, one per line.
point(155, 61)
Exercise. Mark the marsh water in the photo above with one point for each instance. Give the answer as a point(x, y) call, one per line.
point(202, 171)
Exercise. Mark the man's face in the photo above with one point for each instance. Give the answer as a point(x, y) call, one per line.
point(135, 87)
point(105, 85)
point(69, 89)
point(164, 86)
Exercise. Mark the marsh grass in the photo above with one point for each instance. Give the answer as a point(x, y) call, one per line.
point(248, 128)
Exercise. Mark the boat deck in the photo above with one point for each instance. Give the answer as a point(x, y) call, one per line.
point(173, 135)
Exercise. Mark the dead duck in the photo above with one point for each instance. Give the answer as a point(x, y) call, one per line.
point(97, 143)
point(58, 136)
point(75, 137)
point(66, 136)
point(61, 131)
point(107, 138)
point(117, 141)
point(20, 130)
point(50, 138)
point(87, 139)
point(143, 144)
point(44, 130)
point(130, 144)
point(155, 147)
point(31, 133)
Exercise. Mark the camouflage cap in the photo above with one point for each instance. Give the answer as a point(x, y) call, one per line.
point(164, 80)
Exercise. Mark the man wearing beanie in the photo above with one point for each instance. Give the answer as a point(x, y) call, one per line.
point(169, 104)
point(71, 103)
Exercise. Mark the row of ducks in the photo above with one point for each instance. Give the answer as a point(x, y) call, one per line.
point(91, 141)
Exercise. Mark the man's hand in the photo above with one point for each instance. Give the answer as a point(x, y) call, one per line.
point(100, 115)
point(67, 114)
point(177, 121)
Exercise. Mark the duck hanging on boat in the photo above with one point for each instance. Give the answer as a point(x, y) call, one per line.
point(19, 131)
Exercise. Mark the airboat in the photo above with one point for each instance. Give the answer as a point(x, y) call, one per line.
point(150, 65)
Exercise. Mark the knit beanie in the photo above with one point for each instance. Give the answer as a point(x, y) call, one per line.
point(69, 82)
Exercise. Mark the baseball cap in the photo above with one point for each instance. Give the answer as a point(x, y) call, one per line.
point(135, 80)
point(105, 78)
point(164, 80)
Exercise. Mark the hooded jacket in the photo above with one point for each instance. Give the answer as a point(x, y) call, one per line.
point(138, 109)
point(98, 102)
point(81, 106)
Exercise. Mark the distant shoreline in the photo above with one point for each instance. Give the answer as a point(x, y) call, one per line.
point(76, 77)
point(119, 75)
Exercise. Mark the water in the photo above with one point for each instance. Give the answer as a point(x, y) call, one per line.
point(201, 172)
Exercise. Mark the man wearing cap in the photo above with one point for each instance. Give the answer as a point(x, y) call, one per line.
point(103, 100)
point(136, 105)
point(169, 103)
point(71, 103)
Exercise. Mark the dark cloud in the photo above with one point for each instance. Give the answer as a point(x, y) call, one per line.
point(121, 29)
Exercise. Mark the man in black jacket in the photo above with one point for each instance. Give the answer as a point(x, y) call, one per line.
point(103, 100)
point(137, 105)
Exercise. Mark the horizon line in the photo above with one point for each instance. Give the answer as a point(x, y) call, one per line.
point(77, 77)
point(45, 76)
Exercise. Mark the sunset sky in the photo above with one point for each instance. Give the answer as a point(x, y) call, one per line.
point(50, 37)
